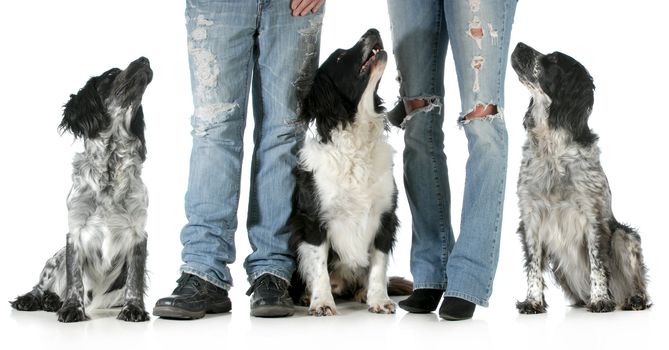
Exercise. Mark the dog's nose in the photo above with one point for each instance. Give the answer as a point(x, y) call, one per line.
point(373, 31)
point(143, 60)
point(521, 46)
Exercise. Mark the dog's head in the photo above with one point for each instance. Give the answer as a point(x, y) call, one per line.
point(115, 96)
point(562, 83)
point(345, 84)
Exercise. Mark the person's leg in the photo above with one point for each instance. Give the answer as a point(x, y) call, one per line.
point(419, 45)
point(220, 51)
point(479, 32)
point(287, 48)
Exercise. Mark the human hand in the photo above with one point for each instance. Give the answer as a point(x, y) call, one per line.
point(302, 7)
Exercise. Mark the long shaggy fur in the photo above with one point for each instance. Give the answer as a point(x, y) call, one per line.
point(567, 225)
point(103, 262)
point(344, 218)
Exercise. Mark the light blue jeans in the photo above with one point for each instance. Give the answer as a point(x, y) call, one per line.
point(479, 32)
point(233, 47)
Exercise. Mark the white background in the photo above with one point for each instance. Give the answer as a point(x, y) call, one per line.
point(50, 48)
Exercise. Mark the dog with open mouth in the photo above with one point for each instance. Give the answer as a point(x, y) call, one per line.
point(344, 221)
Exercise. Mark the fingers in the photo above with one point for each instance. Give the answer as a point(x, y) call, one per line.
point(319, 3)
point(303, 7)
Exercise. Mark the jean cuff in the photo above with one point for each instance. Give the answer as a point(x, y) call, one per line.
point(465, 296)
point(282, 274)
point(428, 285)
point(207, 277)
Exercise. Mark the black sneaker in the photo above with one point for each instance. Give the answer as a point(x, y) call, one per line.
point(456, 309)
point(422, 300)
point(193, 298)
point(270, 297)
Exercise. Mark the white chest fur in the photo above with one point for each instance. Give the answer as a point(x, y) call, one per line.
point(354, 180)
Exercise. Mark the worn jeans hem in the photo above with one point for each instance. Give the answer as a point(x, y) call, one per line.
point(468, 297)
point(428, 285)
point(282, 274)
point(207, 277)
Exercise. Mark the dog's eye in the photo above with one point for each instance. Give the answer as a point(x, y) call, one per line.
point(341, 55)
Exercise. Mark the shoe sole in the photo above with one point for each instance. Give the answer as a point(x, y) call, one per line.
point(415, 310)
point(183, 314)
point(453, 318)
point(272, 311)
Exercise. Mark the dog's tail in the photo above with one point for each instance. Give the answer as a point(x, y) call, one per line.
point(399, 286)
point(628, 280)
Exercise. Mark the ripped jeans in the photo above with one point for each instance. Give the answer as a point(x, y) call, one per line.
point(235, 46)
point(478, 31)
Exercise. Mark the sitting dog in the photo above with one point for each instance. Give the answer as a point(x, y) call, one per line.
point(103, 262)
point(344, 222)
point(564, 196)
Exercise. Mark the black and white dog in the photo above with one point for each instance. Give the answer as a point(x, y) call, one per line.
point(344, 218)
point(564, 196)
point(103, 262)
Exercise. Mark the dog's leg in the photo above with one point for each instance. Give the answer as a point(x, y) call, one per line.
point(73, 307)
point(535, 302)
point(600, 297)
point(314, 269)
point(377, 287)
point(40, 297)
point(133, 308)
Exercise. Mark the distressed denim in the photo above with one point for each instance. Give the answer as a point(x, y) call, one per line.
point(478, 32)
point(233, 47)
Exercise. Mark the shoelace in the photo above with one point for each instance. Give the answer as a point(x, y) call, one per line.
point(266, 281)
point(187, 280)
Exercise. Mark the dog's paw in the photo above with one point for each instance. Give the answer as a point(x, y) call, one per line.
point(27, 302)
point(383, 307)
point(603, 305)
point(51, 302)
point(322, 309)
point(636, 303)
point(133, 313)
point(529, 307)
point(71, 312)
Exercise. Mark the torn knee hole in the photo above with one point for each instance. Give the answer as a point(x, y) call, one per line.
point(481, 111)
point(476, 32)
point(412, 105)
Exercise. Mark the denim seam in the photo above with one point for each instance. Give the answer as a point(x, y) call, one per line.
point(440, 198)
point(442, 224)
point(498, 219)
point(439, 14)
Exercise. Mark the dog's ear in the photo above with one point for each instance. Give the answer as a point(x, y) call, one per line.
point(137, 127)
point(324, 105)
point(572, 106)
point(84, 114)
point(528, 120)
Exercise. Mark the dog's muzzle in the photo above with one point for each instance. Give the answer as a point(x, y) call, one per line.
point(523, 60)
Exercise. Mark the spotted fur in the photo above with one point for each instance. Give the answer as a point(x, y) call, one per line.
point(103, 262)
point(567, 225)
